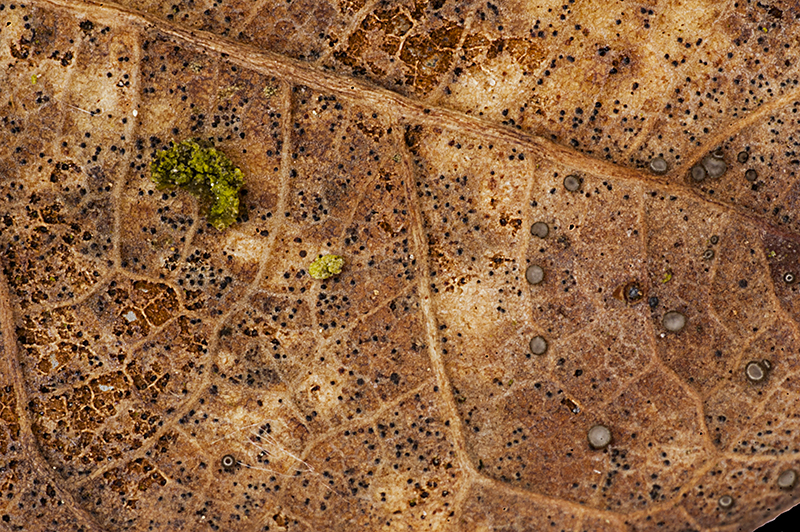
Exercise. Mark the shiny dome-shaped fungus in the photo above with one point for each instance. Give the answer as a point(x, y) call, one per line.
point(534, 274)
point(787, 479)
point(599, 436)
point(572, 183)
point(725, 502)
point(540, 229)
point(674, 321)
point(751, 175)
point(228, 461)
point(755, 371)
point(659, 166)
point(714, 166)
point(698, 173)
point(538, 345)
point(633, 292)
point(742, 157)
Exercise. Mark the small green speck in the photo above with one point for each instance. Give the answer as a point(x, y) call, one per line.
point(198, 167)
point(771, 254)
point(34, 77)
point(667, 277)
point(326, 266)
point(396, 157)
point(269, 91)
point(228, 92)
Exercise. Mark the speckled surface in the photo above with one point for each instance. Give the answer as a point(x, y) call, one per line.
point(159, 374)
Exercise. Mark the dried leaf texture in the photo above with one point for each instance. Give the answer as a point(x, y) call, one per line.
point(159, 374)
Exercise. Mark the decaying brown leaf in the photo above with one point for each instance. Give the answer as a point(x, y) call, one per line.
point(158, 374)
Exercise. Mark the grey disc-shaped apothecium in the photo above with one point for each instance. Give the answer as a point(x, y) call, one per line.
point(228, 461)
point(755, 371)
point(714, 166)
point(751, 175)
point(698, 173)
point(599, 436)
point(787, 479)
point(674, 321)
point(742, 157)
point(572, 183)
point(726, 501)
point(788, 277)
point(538, 345)
point(659, 166)
point(540, 229)
point(534, 274)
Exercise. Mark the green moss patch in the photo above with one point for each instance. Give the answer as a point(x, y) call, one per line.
point(198, 167)
point(326, 266)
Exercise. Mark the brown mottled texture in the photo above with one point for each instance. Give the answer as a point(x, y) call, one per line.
point(419, 140)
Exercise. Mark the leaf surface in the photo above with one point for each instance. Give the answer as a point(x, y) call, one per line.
point(160, 374)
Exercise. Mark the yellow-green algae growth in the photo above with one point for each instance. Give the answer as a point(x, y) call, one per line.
point(198, 167)
point(326, 266)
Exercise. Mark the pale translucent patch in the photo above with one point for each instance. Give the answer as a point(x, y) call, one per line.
point(244, 247)
point(105, 388)
point(53, 362)
point(130, 316)
point(318, 392)
point(225, 359)
point(497, 85)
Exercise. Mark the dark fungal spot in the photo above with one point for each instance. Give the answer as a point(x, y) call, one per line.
point(708, 254)
point(538, 345)
point(653, 302)
point(751, 175)
point(714, 166)
point(599, 436)
point(534, 274)
point(540, 229)
point(755, 371)
point(674, 321)
point(698, 173)
point(659, 166)
point(725, 502)
point(787, 479)
point(742, 283)
point(572, 183)
point(633, 293)
point(228, 461)
point(742, 157)
point(714, 240)
point(788, 277)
